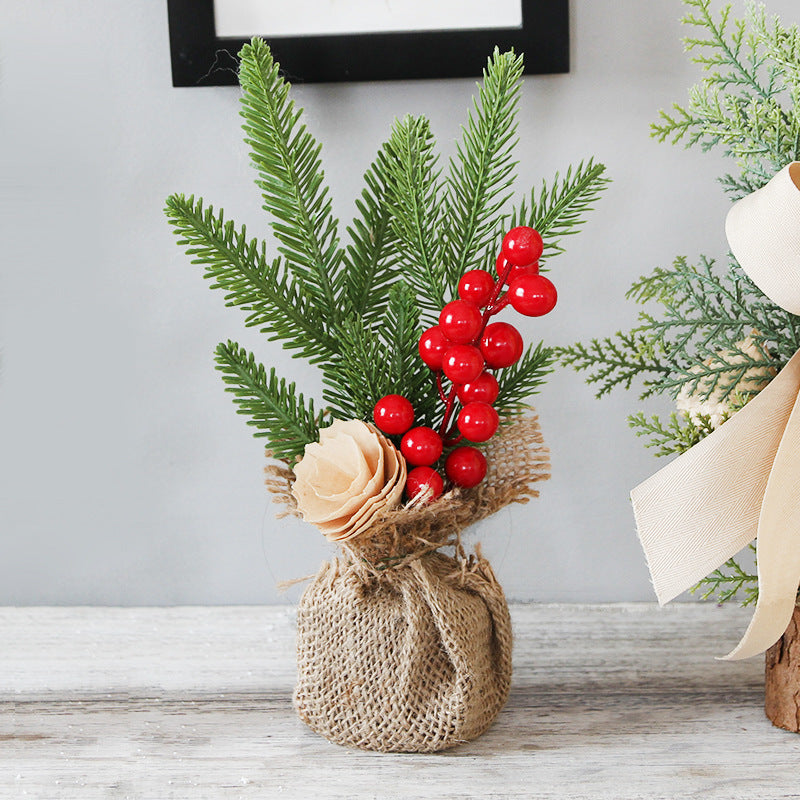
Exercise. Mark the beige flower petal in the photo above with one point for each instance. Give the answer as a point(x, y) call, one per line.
point(338, 478)
point(315, 500)
point(395, 470)
point(365, 436)
point(326, 468)
point(391, 500)
point(388, 498)
point(314, 470)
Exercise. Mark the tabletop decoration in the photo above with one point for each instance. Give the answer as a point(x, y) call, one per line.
point(403, 638)
point(726, 346)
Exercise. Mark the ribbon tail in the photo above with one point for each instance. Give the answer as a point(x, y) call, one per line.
point(778, 548)
point(703, 507)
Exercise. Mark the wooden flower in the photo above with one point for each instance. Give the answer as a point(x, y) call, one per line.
point(347, 478)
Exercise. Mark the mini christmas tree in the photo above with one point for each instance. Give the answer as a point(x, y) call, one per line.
point(708, 337)
point(419, 642)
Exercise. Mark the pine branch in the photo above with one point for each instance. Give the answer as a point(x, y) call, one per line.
point(373, 363)
point(358, 377)
point(291, 178)
point(482, 171)
point(558, 210)
point(523, 379)
point(407, 375)
point(617, 361)
point(728, 582)
point(750, 69)
point(414, 199)
point(675, 436)
point(271, 404)
point(276, 303)
point(370, 264)
point(703, 318)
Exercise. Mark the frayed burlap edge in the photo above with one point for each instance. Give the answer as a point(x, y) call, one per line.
point(517, 459)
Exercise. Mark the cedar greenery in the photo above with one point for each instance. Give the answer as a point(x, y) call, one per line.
point(357, 310)
point(695, 315)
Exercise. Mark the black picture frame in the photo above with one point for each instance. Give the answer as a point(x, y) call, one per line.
point(201, 58)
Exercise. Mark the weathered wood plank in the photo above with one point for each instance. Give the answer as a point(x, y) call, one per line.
point(621, 702)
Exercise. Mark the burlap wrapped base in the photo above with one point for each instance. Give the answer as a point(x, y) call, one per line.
point(403, 648)
point(414, 660)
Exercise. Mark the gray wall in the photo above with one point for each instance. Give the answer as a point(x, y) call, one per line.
point(125, 476)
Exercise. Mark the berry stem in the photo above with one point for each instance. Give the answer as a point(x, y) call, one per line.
point(500, 304)
point(490, 306)
point(448, 412)
point(454, 441)
point(440, 387)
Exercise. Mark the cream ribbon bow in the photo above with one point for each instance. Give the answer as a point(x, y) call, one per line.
point(742, 481)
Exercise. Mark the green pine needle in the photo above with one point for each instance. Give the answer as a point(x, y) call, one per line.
point(750, 70)
point(414, 194)
point(730, 582)
point(617, 360)
point(287, 158)
point(370, 263)
point(275, 302)
point(523, 379)
point(675, 436)
point(559, 210)
point(482, 171)
point(271, 404)
point(356, 379)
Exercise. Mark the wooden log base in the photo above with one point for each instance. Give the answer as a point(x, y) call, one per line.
point(782, 674)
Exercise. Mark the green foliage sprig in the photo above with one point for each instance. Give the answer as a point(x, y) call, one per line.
point(747, 100)
point(695, 316)
point(730, 582)
point(357, 309)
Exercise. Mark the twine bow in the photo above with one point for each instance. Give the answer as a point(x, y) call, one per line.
point(742, 482)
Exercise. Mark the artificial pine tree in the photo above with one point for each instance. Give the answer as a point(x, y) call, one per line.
point(706, 331)
point(357, 309)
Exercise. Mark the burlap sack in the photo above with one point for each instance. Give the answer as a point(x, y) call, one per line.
point(414, 660)
point(399, 646)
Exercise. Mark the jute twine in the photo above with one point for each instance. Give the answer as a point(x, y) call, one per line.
point(400, 647)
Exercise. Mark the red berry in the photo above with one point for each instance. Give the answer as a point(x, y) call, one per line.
point(478, 422)
point(393, 414)
point(484, 389)
point(466, 467)
point(476, 286)
point(432, 345)
point(420, 478)
point(522, 245)
point(532, 295)
point(461, 321)
point(462, 363)
point(501, 345)
point(421, 446)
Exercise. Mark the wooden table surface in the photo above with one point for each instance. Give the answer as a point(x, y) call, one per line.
point(616, 701)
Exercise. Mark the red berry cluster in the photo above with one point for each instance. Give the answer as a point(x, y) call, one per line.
point(463, 347)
